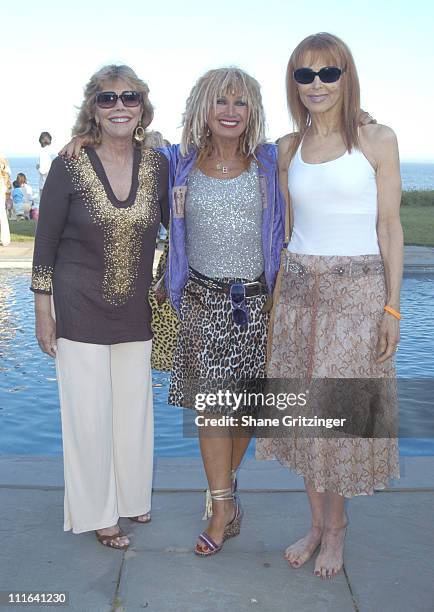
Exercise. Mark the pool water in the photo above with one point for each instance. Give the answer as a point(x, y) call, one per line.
point(29, 406)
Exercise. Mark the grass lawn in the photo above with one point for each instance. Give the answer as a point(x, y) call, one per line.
point(418, 225)
point(22, 231)
point(417, 216)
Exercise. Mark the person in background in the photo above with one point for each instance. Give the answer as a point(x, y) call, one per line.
point(45, 158)
point(18, 200)
point(5, 186)
point(28, 193)
point(94, 250)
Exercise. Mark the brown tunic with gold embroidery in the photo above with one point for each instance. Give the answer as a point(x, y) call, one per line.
point(95, 251)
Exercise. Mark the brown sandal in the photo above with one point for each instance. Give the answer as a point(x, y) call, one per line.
point(136, 518)
point(110, 540)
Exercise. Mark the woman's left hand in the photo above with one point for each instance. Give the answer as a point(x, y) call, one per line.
point(388, 339)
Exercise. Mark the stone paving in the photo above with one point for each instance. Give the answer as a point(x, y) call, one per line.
point(389, 551)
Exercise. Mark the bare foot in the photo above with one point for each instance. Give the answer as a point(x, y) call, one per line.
point(120, 541)
point(331, 555)
point(219, 520)
point(301, 551)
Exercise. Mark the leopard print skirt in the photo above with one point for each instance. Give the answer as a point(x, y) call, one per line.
point(326, 328)
point(214, 353)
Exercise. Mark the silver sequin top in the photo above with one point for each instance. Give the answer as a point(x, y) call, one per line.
point(223, 225)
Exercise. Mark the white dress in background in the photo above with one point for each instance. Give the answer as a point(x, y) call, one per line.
point(44, 165)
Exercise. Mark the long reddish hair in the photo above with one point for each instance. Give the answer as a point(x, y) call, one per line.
point(334, 52)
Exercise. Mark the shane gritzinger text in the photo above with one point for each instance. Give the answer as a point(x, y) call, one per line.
point(250, 421)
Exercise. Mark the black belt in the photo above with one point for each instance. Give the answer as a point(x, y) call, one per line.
point(257, 287)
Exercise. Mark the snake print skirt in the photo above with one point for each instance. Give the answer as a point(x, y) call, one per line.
point(326, 330)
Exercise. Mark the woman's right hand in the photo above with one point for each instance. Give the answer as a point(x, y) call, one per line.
point(72, 149)
point(46, 333)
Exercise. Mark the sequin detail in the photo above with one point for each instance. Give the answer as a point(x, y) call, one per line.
point(224, 225)
point(122, 227)
point(41, 278)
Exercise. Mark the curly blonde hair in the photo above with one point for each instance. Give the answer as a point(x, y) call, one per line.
point(86, 126)
point(212, 85)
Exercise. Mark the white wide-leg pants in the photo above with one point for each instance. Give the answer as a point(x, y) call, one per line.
point(108, 431)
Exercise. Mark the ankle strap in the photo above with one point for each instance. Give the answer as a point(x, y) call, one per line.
point(208, 500)
point(221, 494)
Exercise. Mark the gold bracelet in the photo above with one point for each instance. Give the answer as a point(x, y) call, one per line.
point(393, 312)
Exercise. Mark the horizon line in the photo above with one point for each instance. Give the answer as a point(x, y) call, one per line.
point(408, 160)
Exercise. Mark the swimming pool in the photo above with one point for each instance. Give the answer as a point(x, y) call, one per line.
point(29, 407)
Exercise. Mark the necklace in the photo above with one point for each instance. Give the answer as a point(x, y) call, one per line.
point(225, 168)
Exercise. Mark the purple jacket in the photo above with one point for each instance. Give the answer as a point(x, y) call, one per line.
point(273, 216)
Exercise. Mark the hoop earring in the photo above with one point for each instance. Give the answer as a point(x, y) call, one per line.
point(97, 133)
point(139, 133)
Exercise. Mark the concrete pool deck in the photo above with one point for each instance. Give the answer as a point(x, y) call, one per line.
point(389, 552)
point(417, 259)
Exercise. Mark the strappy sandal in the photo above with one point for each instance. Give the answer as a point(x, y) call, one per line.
point(110, 540)
point(232, 529)
point(136, 518)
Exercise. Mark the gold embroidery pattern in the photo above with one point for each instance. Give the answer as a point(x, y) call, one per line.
point(41, 278)
point(123, 227)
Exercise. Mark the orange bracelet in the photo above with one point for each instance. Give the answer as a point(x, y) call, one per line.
point(393, 312)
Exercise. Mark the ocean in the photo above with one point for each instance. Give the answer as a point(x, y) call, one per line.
point(414, 175)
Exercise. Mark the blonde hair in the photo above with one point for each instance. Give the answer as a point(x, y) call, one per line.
point(203, 97)
point(86, 124)
point(4, 169)
point(334, 52)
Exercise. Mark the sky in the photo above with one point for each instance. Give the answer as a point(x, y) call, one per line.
point(51, 50)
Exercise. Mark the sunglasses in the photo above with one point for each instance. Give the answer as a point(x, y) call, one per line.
point(329, 74)
point(108, 99)
point(238, 302)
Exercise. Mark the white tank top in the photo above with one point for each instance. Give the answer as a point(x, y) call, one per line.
point(334, 206)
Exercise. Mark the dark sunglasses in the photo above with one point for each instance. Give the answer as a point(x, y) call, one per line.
point(329, 74)
point(108, 99)
point(238, 302)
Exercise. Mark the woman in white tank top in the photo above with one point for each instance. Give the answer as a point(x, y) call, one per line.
point(337, 315)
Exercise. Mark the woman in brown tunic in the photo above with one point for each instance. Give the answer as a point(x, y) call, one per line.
point(94, 249)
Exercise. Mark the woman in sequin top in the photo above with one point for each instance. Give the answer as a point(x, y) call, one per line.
point(226, 231)
point(94, 250)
